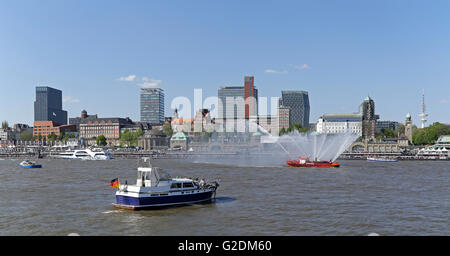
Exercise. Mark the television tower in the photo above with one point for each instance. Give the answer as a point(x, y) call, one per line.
point(423, 116)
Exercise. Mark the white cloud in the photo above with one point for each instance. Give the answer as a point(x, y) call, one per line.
point(443, 101)
point(144, 81)
point(148, 82)
point(302, 67)
point(127, 78)
point(272, 71)
point(69, 99)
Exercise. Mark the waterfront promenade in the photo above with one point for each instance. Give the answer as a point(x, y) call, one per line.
point(114, 153)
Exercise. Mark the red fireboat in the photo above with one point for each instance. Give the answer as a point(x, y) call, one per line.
point(305, 162)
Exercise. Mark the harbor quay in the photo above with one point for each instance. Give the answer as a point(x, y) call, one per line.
point(398, 156)
point(44, 152)
point(315, 146)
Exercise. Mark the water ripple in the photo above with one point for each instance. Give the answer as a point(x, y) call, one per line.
point(73, 197)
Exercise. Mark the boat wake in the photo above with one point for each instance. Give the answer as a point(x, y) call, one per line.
point(111, 211)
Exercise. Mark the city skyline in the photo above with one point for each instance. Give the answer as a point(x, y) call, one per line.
point(387, 50)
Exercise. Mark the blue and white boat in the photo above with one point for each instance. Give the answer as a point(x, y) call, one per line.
point(155, 188)
point(378, 159)
point(29, 164)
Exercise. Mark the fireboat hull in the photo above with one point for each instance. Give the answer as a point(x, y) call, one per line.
point(323, 164)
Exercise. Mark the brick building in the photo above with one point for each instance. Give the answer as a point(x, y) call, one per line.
point(108, 127)
point(45, 128)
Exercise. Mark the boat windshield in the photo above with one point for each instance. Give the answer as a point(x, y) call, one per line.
point(162, 175)
point(155, 175)
point(144, 162)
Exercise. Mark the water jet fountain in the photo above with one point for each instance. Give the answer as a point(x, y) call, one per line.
point(270, 149)
point(314, 149)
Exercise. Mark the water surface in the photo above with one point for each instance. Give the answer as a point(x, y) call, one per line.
point(73, 196)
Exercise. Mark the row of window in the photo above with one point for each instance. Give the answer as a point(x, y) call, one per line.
point(98, 126)
point(88, 135)
point(100, 129)
point(103, 132)
point(182, 185)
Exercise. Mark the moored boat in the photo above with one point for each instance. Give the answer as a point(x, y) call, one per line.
point(29, 164)
point(380, 159)
point(305, 162)
point(85, 154)
point(155, 188)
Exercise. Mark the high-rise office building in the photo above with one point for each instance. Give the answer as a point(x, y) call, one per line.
point(231, 102)
point(283, 117)
point(298, 103)
point(152, 105)
point(242, 100)
point(250, 96)
point(369, 119)
point(48, 105)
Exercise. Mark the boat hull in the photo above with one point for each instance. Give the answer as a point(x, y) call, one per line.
point(31, 166)
point(322, 164)
point(138, 203)
point(85, 158)
point(381, 160)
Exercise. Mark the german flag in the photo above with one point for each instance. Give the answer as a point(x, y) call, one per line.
point(115, 183)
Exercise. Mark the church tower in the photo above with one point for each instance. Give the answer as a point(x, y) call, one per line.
point(175, 114)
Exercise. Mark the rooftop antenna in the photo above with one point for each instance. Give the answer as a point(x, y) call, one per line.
point(423, 116)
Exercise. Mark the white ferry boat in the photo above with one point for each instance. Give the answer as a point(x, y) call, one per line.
point(379, 159)
point(85, 154)
point(440, 150)
point(155, 188)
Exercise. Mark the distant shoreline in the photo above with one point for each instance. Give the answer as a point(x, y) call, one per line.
point(185, 155)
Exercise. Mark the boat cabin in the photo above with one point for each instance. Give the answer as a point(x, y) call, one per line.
point(81, 153)
point(303, 160)
point(182, 184)
point(155, 177)
point(152, 177)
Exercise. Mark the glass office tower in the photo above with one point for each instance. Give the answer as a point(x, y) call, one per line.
point(298, 103)
point(152, 105)
point(233, 111)
point(48, 105)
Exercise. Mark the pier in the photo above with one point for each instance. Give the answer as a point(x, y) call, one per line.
point(188, 155)
point(398, 156)
point(115, 154)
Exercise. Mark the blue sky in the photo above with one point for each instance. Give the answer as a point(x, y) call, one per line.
point(338, 51)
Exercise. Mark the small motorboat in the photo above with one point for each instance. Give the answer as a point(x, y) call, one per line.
point(305, 162)
point(29, 164)
point(155, 188)
point(379, 159)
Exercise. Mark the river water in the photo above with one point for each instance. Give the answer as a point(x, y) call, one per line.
point(74, 196)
